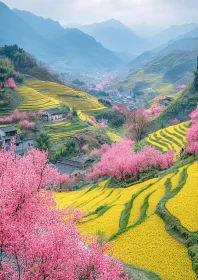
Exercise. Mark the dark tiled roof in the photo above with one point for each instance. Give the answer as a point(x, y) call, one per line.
point(8, 128)
point(54, 111)
point(65, 169)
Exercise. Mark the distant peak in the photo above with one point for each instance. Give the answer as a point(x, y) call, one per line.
point(3, 5)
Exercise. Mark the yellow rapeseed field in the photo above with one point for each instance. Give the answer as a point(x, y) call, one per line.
point(185, 204)
point(170, 139)
point(71, 97)
point(149, 246)
point(108, 222)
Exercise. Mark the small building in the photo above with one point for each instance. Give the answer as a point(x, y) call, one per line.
point(52, 115)
point(74, 168)
point(22, 146)
point(9, 133)
point(166, 101)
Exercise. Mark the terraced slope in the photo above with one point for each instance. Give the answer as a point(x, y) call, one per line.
point(128, 219)
point(41, 95)
point(33, 100)
point(60, 130)
point(73, 98)
point(152, 83)
point(170, 138)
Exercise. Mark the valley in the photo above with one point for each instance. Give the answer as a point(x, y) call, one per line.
point(98, 142)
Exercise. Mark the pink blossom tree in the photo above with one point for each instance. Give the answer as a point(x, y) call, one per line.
point(192, 133)
point(27, 125)
point(136, 122)
point(121, 161)
point(181, 87)
point(37, 240)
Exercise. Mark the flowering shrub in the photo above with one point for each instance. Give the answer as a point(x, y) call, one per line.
point(85, 147)
point(101, 125)
point(181, 87)
point(27, 125)
point(10, 83)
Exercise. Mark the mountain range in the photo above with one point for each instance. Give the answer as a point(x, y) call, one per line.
point(114, 35)
point(65, 49)
point(102, 46)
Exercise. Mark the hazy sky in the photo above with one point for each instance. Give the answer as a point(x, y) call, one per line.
point(155, 12)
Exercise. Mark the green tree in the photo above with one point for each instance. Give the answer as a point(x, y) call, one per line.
point(6, 69)
point(43, 141)
point(196, 80)
point(64, 108)
point(74, 111)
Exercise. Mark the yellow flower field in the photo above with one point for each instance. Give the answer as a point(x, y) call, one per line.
point(35, 101)
point(146, 245)
point(149, 246)
point(108, 222)
point(71, 97)
point(170, 138)
point(185, 204)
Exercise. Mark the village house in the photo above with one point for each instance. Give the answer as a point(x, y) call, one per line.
point(9, 133)
point(74, 168)
point(52, 115)
point(166, 101)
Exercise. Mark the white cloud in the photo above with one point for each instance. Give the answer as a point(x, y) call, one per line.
point(160, 12)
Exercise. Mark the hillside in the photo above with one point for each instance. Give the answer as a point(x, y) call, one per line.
point(68, 49)
point(138, 232)
point(179, 109)
point(170, 138)
point(153, 75)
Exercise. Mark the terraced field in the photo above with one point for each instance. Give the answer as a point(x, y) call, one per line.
point(154, 83)
point(73, 98)
point(128, 219)
point(35, 101)
point(170, 138)
point(41, 95)
point(60, 130)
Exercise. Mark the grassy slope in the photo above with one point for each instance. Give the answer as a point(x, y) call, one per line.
point(180, 109)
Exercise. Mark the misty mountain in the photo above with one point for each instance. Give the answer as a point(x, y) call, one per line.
point(183, 44)
point(14, 30)
point(115, 36)
point(141, 59)
point(146, 30)
point(172, 33)
point(48, 28)
point(68, 49)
